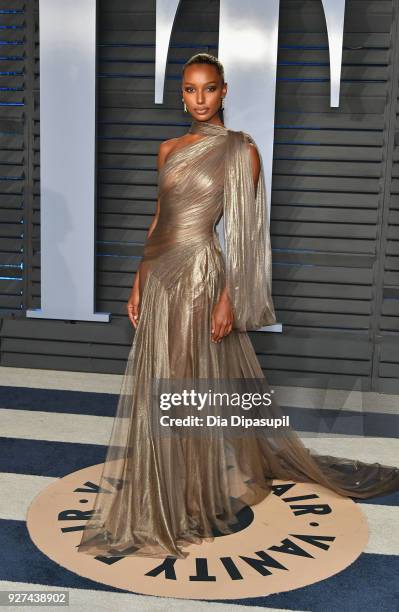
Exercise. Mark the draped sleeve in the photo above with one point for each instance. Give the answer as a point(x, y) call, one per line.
point(246, 236)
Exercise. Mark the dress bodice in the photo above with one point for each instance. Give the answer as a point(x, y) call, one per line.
point(190, 189)
point(207, 178)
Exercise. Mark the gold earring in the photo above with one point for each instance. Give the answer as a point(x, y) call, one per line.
point(184, 104)
point(221, 106)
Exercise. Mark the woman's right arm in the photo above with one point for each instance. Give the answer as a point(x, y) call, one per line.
point(150, 230)
point(133, 304)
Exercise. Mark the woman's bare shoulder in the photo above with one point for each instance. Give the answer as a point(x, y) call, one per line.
point(165, 149)
point(167, 146)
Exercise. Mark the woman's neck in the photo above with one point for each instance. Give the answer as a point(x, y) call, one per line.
point(206, 127)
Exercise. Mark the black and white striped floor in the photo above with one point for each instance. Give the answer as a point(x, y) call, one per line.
point(53, 423)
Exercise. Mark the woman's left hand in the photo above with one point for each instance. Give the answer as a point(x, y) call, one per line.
point(222, 319)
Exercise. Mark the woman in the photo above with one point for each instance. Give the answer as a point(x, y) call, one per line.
point(191, 306)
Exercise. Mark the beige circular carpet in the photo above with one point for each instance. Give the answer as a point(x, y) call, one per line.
point(298, 535)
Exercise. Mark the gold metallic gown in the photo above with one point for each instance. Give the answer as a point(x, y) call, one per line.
point(158, 494)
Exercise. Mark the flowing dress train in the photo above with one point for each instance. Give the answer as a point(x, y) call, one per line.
point(158, 493)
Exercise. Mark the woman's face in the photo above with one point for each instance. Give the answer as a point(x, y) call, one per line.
point(202, 90)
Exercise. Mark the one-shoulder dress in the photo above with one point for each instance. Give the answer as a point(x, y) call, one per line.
point(160, 493)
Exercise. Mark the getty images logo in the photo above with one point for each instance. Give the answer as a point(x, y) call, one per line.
point(248, 50)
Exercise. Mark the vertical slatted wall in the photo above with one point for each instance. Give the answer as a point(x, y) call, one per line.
point(15, 83)
point(335, 199)
point(386, 366)
point(329, 195)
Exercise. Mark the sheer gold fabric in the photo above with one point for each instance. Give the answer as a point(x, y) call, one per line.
point(159, 494)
